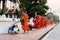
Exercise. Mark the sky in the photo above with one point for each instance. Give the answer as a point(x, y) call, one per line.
point(54, 6)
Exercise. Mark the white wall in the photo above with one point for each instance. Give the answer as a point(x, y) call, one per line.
point(5, 25)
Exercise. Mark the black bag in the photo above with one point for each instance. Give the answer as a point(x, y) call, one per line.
point(22, 20)
point(30, 27)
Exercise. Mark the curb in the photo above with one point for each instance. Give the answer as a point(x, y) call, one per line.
point(47, 32)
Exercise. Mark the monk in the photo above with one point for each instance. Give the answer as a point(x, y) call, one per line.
point(25, 23)
point(39, 21)
point(45, 21)
point(36, 21)
point(42, 21)
point(51, 22)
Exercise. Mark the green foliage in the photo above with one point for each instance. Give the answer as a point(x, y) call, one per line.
point(25, 2)
point(43, 2)
point(45, 7)
point(0, 11)
point(13, 1)
point(19, 11)
point(40, 7)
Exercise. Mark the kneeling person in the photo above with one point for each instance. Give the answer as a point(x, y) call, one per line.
point(14, 29)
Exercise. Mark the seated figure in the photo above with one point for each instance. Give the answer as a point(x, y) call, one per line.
point(13, 30)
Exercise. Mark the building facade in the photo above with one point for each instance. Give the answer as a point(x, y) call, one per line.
point(10, 4)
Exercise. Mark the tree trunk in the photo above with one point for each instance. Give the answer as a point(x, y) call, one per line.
point(4, 6)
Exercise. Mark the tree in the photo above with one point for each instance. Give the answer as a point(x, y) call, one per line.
point(0, 11)
point(3, 6)
point(35, 6)
point(32, 6)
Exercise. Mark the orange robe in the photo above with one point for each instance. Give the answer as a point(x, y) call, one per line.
point(45, 21)
point(48, 22)
point(25, 23)
point(51, 22)
point(36, 22)
point(42, 21)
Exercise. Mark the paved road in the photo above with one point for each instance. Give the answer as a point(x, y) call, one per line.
point(53, 34)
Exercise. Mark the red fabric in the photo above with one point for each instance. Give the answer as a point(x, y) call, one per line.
point(42, 21)
point(45, 22)
point(36, 21)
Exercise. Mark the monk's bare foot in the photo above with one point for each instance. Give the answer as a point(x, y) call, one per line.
point(24, 32)
point(27, 31)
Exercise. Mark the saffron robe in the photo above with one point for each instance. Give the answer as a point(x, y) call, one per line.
point(36, 21)
point(25, 23)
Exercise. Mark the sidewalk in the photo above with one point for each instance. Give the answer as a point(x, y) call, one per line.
point(31, 35)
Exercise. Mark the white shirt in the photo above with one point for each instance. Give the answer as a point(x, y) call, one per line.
point(31, 21)
point(15, 29)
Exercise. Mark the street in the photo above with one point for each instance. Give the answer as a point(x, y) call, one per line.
point(53, 34)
